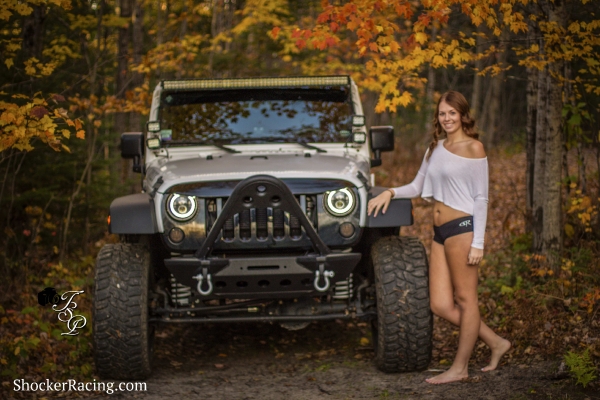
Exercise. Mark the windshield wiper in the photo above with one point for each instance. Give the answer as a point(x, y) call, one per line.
point(227, 149)
point(199, 143)
point(310, 146)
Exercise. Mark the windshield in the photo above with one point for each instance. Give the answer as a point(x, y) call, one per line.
point(256, 116)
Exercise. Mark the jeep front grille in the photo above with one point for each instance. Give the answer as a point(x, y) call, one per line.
point(261, 224)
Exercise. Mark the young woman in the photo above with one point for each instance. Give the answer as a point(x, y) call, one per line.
point(454, 173)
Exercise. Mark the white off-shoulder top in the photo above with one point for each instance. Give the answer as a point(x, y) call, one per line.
point(459, 182)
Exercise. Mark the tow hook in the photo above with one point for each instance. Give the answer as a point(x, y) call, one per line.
point(326, 275)
point(201, 277)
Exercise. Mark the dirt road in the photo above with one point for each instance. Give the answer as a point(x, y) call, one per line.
point(330, 360)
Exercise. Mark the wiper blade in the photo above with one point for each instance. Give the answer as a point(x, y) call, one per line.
point(310, 146)
point(199, 143)
point(227, 149)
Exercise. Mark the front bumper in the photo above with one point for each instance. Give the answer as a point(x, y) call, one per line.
point(262, 276)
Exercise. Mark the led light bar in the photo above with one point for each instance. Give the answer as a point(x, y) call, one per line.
point(200, 84)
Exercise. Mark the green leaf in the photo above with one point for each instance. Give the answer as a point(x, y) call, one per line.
point(29, 310)
point(575, 119)
point(506, 289)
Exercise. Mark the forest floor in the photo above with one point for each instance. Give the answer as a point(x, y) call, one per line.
point(330, 360)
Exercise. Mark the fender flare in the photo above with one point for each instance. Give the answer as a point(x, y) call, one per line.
point(399, 213)
point(133, 214)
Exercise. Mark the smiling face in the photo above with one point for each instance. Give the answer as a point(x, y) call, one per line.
point(449, 118)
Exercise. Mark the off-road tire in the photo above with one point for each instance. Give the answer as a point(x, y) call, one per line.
point(402, 332)
point(122, 336)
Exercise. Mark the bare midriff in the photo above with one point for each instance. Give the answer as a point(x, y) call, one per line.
point(442, 213)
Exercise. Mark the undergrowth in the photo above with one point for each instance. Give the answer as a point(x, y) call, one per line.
point(546, 311)
point(581, 367)
point(32, 343)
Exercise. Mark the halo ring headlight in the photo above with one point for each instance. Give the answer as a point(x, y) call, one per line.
point(340, 202)
point(181, 207)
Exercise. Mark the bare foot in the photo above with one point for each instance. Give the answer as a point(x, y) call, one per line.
point(447, 377)
point(497, 353)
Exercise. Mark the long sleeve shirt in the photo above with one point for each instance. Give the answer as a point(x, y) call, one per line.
point(459, 182)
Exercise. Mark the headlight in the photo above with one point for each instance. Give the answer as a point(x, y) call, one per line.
point(181, 207)
point(340, 202)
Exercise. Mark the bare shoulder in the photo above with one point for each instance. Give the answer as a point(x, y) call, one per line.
point(475, 149)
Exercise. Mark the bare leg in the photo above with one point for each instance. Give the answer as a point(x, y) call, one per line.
point(443, 304)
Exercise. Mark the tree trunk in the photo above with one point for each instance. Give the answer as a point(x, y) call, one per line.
point(579, 139)
point(215, 29)
point(485, 115)
point(477, 80)
point(539, 166)
point(429, 102)
point(532, 89)
point(33, 32)
point(137, 80)
point(494, 106)
point(552, 232)
point(122, 118)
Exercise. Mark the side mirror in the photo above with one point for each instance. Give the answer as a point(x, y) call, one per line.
point(132, 146)
point(382, 139)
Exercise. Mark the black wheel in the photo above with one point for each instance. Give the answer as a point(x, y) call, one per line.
point(402, 332)
point(122, 336)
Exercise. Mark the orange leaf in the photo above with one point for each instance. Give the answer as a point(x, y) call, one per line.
point(275, 32)
point(80, 134)
point(300, 44)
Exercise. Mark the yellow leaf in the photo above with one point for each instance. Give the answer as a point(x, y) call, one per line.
point(65, 148)
point(420, 37)
point(569, 230)
point(17, 350)
point(66, 133)
point(9, 62)
point(364, 341)
point(574, 27)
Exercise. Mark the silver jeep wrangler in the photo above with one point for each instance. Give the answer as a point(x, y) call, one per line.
point(254, 209)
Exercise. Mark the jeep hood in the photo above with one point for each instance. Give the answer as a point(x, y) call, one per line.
point(241, 166)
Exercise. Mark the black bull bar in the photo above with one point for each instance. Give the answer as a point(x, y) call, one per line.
point(216, 276)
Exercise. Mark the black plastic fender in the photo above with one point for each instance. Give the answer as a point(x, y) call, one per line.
point(133, 214)
point(399, 213)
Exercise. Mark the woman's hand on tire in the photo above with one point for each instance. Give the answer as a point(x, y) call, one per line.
point(381, 202)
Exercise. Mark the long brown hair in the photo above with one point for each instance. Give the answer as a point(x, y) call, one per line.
point(460, 104)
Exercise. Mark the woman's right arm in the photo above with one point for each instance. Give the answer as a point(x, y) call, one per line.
point(412, 190)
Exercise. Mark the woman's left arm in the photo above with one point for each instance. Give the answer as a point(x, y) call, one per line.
point(480, 188)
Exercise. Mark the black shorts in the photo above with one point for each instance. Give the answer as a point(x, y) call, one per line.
point(452, 228)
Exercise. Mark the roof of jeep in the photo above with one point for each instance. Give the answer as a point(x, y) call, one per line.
point(256, 83)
